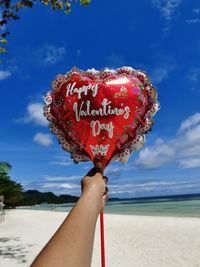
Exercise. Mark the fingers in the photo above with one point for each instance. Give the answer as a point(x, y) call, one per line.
point(105, 197)
point(98, 174)
point(94, 171)
point(105, 194)
point(106, 191)
point(105, 179)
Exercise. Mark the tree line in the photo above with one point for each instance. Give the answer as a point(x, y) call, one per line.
point(15, 195)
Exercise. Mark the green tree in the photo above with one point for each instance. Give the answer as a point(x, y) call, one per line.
point(12, 191)
point(10, 8)
point(4, 167)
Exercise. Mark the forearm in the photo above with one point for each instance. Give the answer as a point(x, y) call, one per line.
point(71, 245)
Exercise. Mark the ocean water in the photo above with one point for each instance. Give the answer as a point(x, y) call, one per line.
point(167, 206)
point(187, 208)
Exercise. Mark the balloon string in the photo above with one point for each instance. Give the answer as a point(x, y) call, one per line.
point(102, 239)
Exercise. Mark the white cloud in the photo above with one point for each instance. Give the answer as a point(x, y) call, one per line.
point(187, 142)
point(189, 150)
point(61, 163)
point(190, 122)
point(190, 163)
point(163, 69)
point(78, 52)
point(155, 187)
point(57, 184)
point(115, 61)
point(4, 74)
point(156, 156)
point(193, 21)
point(196, 10)
point(43, 139)
point(183, 149)
point(167, 7)
point(192, 136)
point(150, 183)
point(62, 178)
point(113, 169)
point(194, 74)
point(161, 73)
point(35, 114)
point(60, 185)
point(86, 167)
point(51, 54)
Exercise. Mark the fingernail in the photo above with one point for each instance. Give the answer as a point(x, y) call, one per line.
point(106, 178)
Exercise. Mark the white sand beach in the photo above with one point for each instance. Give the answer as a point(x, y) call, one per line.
point(139, 241)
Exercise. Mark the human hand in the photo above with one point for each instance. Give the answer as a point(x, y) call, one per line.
point(94, 183)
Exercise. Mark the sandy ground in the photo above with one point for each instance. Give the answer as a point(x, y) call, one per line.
point(139, 241)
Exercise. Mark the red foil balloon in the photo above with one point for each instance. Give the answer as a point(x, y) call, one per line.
point(100, 116)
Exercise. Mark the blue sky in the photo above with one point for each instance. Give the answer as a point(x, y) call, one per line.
point(159, 36)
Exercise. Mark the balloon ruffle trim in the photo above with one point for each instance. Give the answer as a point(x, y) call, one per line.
point(128, 143)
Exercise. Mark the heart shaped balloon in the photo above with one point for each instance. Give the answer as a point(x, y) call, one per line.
point(101, 115)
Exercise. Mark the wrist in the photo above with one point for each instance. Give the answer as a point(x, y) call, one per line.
point(93, 191)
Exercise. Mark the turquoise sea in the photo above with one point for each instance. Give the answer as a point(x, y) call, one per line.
point(187, 206)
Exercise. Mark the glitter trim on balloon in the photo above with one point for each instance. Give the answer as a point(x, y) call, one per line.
point(126, 145)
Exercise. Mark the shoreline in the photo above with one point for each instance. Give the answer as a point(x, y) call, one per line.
point(121, 214)
point(186, 209)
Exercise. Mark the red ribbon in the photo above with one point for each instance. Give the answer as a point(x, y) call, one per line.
point(102, 239)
